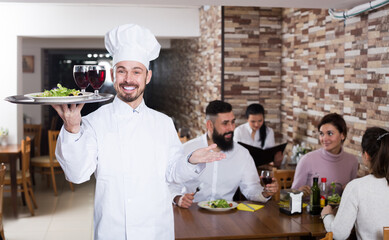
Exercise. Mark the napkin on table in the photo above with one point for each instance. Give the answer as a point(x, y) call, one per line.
point(243, 207)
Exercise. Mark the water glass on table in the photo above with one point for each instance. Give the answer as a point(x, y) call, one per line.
point(267, 178)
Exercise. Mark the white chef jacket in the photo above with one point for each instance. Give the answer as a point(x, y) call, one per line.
point(133, 153)
point(243, 134)
point(221, 179)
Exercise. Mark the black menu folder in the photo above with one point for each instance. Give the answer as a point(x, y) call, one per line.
point(263, 156)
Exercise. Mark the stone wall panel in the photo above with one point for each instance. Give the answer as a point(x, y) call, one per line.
point(189, 75)
point(349, 68)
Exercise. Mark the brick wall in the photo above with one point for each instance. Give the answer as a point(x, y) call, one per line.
point(252, 61)
point(334, 66)
point(299, 63)
point(188, 75)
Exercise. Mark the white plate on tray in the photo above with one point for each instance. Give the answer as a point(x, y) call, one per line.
point(58, 99)
point(204, 204)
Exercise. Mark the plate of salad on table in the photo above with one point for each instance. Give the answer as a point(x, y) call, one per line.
point(219, 205)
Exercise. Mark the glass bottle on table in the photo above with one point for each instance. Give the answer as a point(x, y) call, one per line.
point(315, 197)
point(323, 192)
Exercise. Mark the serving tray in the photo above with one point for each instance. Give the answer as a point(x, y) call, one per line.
point(22, 99)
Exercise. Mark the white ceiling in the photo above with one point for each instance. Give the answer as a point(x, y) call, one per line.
point(337, 4)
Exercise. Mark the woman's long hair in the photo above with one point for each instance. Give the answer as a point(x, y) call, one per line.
point(375, 142)
point(254, 109)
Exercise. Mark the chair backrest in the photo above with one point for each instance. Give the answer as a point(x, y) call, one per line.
point(284, 179)
point(183, 139)
point(386, 233)
point(54, 121)
point(53, 135)
point(26, 156)
point(34, 130)
point(2, 174)
point(328, 236)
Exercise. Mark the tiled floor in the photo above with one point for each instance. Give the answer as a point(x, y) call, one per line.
point(67, 216)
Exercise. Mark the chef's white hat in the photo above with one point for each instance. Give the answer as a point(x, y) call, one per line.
point(131, 42)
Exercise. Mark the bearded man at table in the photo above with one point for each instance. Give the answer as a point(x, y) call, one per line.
point(133, 151)
point(221, 179)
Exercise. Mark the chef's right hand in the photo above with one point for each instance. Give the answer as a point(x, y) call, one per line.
point(71, 116)
point(184, 201)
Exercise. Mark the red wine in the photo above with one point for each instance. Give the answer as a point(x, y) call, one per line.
point(96, 78)
point(81, 79)
point(267, 180)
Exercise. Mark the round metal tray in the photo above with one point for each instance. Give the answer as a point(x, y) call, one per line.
point(22, 99)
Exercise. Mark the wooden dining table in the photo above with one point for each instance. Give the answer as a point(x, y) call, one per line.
point(10, 154)
point(268, 222)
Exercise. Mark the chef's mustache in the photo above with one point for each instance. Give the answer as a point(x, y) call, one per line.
point(227, 133)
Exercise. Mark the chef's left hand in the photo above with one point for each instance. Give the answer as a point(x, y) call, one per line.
point(207, 154)
point(271, 189)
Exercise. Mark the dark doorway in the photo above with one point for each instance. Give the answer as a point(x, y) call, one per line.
point(58, 68)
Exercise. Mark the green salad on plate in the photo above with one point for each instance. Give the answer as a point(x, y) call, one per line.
point(59, 91)
point(220, 203)
point(334, 198)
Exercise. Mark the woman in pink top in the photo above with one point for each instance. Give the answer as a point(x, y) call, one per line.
point(330, 161)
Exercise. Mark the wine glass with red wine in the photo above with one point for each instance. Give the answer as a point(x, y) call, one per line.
point(80, 76)
point(267, 178)
point(96, 77)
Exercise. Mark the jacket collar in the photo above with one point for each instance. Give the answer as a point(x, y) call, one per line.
point(122, 108)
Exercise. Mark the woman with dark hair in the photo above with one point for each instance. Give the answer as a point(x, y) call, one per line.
point(255, 132)
point(365, 203)
point(330, 161)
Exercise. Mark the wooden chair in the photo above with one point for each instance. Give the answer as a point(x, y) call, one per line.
point(284, 180)
point(386, 233)
point(328, 236)
point(23, 178)
point(34, 130)
point(54, 121)
point(49, 164)
point(183, 139)
point(2, 175)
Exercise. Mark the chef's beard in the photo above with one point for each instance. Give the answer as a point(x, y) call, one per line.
point(221, 142)
point(127, 97)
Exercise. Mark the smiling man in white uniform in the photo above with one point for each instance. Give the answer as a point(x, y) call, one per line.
point(133, 150)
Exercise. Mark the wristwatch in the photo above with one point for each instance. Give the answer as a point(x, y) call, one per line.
point(174, 202)
point(188, 157)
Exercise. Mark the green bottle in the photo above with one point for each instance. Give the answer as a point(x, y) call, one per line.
point(315, 197)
